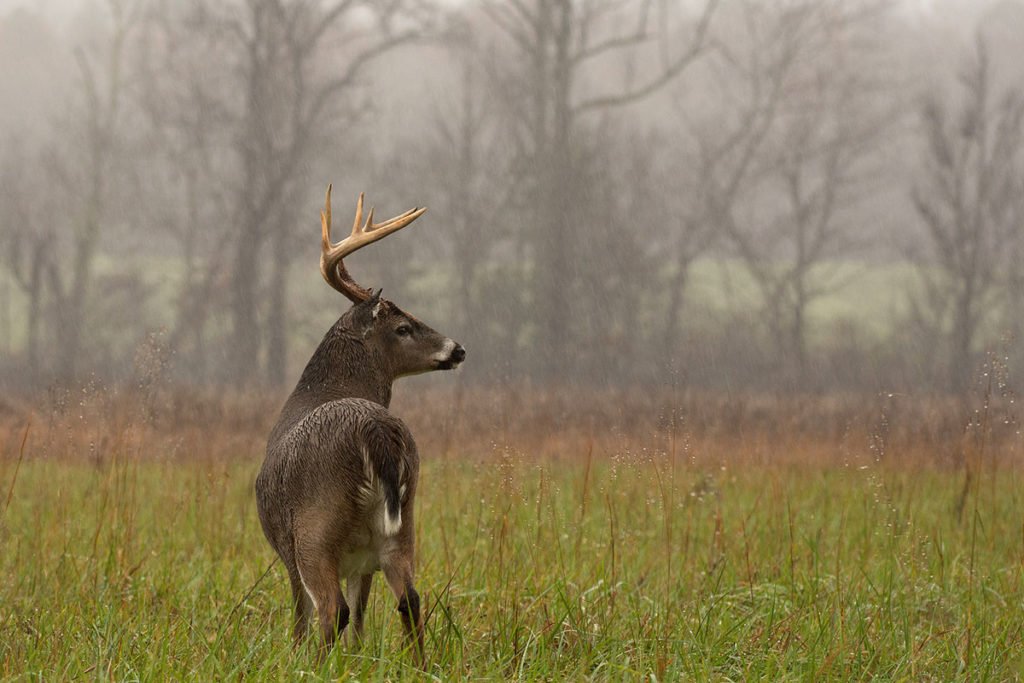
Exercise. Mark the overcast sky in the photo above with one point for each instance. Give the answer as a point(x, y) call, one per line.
point(57, 8)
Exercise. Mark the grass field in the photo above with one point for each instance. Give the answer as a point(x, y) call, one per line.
point(131, 550)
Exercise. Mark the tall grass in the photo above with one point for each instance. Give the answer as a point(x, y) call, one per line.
point(131, 550)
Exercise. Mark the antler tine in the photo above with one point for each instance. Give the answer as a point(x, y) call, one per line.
point(325, 222)
point(332, 256)
point(400, 221)
point(359, 215)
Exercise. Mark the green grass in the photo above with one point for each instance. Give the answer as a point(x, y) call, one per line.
point(628, 568)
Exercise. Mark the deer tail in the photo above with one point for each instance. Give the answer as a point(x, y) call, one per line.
point(387, 448)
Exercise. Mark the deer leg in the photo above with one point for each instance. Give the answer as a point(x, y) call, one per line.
point(303, 607)
point(398, 572)
point(358, 595)
point(320, 580)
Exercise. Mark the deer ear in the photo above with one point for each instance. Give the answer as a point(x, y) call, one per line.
point(377, 303)
point(365, 312)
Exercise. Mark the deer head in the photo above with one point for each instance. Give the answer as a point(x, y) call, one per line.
point(400, 343)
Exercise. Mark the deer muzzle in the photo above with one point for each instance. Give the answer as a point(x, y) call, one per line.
point(451, 356)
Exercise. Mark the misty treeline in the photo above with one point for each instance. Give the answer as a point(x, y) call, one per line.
point(619, 191)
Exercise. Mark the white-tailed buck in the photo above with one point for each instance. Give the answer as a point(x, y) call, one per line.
point(335, 493)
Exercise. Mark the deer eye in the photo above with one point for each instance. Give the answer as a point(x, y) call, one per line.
point(403, 330)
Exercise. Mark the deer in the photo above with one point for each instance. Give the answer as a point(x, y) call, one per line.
point(336, 490)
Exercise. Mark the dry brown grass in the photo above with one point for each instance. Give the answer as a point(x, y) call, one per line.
point(530, 422)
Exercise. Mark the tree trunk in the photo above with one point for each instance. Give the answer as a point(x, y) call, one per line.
point(670, 335)
point(244, 349)
point(1014, 326)
point(960, 356)
point(35, 307)
point(5, 319)
point(277, 318)
point(798, 333)
point(552, 281)
point(71, 311)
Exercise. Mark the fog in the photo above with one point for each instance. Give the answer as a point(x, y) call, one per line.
point(805, 195)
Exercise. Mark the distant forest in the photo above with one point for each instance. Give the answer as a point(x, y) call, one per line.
point(800, 194)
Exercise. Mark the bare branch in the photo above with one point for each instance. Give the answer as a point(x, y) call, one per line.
point(697, 47)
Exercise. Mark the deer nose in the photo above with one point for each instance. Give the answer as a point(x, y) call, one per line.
point(458, 354)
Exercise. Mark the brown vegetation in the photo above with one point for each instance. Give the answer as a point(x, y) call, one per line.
point(526, 422)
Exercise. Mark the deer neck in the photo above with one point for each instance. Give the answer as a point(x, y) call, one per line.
point(341, 367)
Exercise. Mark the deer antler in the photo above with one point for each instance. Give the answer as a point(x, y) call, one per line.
point(331, 256)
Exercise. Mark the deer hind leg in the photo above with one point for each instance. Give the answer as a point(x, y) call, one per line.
point(398, 572)
point(358, 595)
point(319, 576)
point(303, 607)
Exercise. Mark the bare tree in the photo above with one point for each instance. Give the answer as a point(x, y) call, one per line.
point(781, 173)
point(287, 90)
point(460, 164)
point(464, 151)
point(689, 233)
point(85, 165)
point(556, 47)
point(1013, 310)
point(188, 128)
point(24, 243)
point(965, 198)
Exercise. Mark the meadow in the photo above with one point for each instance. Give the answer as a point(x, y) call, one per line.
point(626, 537)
